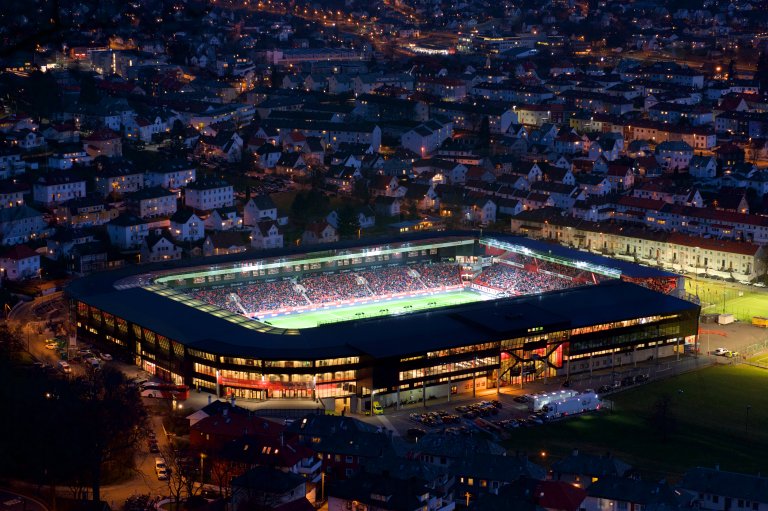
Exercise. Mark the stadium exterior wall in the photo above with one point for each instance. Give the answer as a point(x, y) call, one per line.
point(490, 343)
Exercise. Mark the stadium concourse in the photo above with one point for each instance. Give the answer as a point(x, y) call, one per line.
point(430, 314)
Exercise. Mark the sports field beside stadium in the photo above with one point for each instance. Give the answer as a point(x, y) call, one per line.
point(717, 297)
point(392, 307)
point(715, 416)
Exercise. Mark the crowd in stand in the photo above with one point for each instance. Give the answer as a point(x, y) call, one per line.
point(263, 296)
point(437, 275)
point(320, 289)
point(395, 279)
point(335, 287)
point(518, 281)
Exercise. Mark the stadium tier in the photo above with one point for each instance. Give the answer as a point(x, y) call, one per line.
point(518, 310)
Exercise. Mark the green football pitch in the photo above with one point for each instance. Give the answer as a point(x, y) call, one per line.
point(393, 307)
point(718, 297)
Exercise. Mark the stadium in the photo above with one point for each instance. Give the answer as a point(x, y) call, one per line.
point(401, 319)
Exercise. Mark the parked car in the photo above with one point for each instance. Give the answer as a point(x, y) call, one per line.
point(642, 378)
point(721, 352)
point(106, 356)
point(51, 345)
point(604, 388)
point(627, 381)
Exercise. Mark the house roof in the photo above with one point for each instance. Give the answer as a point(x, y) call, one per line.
point(18, 252)
point(268, 480)
point(183, 216)
point(729, 484)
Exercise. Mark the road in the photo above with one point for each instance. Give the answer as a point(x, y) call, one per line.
point(12, 501)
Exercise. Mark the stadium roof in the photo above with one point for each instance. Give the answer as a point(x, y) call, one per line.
point(556, 250)
point(212, 330)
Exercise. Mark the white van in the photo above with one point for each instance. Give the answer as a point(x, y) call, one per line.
point(64, 366)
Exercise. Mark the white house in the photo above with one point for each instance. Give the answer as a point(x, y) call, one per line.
point(223, 219)
point(20, 224)
point(158, 247)
point(674, 155)
point(54, 189)
point(266, 234)
point(208, 195)
point(702, 167)
point(19, 262)
point(153, 202)
point(319, 232)
point(118, 181)
point(127, 232)
point(425, 138)
point(718, 490)
point(172, 177)
point(258, 209)
point(479, 210)
point(187, 226)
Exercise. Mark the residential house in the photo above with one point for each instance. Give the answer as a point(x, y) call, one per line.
point(266, 234)
point(479, 210)
point(171, 175)
point(318, 233)
point(582, 469)
point(674, 155)
point(158, 246)
point(425, 138)
point(103, 142)
point(208, 195)
point(118, 181)
point(384, 492)
point(265, 487)
point(611, 493)
point(387, 206)
point(187, 226)
point(702, 167)
point(152, 202)
point(53, 189)
point(127, 232)
point(12, 194)
point(223, 219)
point(19, 262)
point(259, 208)
point(713, 489)
point(84, 212)
point(225, 242)
point(21, 224)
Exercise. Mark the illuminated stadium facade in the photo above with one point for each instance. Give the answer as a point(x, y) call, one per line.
point(449, 313)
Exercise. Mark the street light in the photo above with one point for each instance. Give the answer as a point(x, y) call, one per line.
point(746, 419)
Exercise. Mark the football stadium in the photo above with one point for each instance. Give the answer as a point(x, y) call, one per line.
point(399, 319)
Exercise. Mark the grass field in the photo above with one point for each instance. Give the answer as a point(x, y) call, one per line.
point(719, 296)
point(761, 358)
point(372, 310)
point(711, 422)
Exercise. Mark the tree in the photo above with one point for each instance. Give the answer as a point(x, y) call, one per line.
point(349, 223)
point(112, 416)
point(484, 135)
point(762, 71)
point(662, 418)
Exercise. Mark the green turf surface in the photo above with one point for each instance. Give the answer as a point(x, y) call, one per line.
point(717, 297)
point(371, 310)
point(709, 426)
